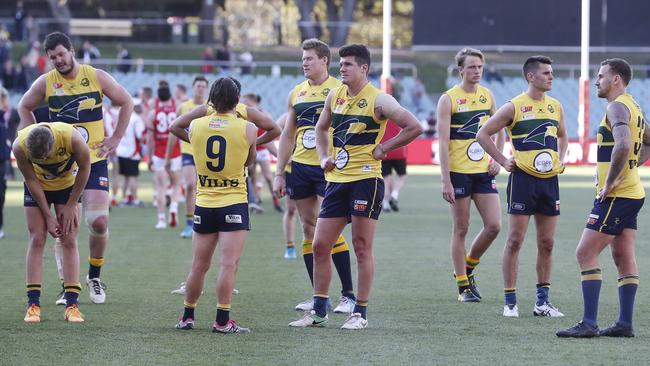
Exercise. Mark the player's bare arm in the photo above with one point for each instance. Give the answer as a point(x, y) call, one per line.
point(150, 132)
point(562, 138)
point(618, 118)
point(444, 122)
point(386, 107)
point(287, 138)
point(67, 216)
point(179, 126)
point(500, 139)
point(496, 123)
point(30, 101)
point(121, 98)
point(322, 136)
point(251, 136)
point(35, 189)
point(263, 121)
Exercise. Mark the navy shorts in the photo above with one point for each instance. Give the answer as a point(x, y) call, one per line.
point(98, 178)
point(613, 215)
point(187, 160)
point(213, 220)
point(305, 181)
point(398, 165)
point(52, 197)
point(128, 167)
point(529, 195)
point(465, 185)
point(360, 198)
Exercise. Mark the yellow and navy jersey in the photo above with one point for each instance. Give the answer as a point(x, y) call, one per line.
point(57, 171)
point(78, 102)
point(533, 134)
point(356, 133)
point(630, 186)
point(308, 101)
point(469, 111)
point(220, 147)
point(241, 111)
point(185, 107)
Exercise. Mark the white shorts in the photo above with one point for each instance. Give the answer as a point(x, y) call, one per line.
point(159, 164)
point(263, 155)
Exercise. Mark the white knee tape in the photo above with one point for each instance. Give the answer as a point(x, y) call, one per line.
point(91, 216)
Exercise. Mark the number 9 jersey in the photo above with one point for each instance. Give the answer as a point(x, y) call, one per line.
point(220, 149)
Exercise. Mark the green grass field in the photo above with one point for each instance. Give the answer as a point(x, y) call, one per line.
point(414, 317)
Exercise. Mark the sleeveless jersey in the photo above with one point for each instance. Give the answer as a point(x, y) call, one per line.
point(356, 132)
point(57, 171)
point(185, 107)
point(308, 102)
point(469, 111)
point(79, 103)
point(220, 149)
point(163, 117)
point(631, 186)
point(533, 134)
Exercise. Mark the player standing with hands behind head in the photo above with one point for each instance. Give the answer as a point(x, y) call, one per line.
point(358, 112)
point(74, 94)
point(623, 145)
point(467, 172)
point(55, 162)
point(535, 124)
point(223, 145)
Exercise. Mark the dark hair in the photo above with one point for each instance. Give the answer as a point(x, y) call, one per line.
point(359, 51)
point(467, 51)
point(256, 97)
point(39, 142)
point(54, 39)
point(199, 78)
point(321, 48)
point(162, 83)
point(164, 94)
point(533, 62)
point(620, 67)
point(224, 94)
point(182, 88)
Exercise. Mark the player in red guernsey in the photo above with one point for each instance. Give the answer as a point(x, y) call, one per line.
point(158, 122)
point(395, 160)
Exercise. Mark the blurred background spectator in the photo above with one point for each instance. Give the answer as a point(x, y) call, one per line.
point(123, 55)
point(89, 52)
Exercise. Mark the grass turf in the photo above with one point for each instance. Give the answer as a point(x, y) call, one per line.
point(413, 316)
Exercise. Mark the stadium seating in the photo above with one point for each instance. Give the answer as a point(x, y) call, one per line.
point(274, 91)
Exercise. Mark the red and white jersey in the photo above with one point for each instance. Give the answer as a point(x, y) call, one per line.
point(163, 117)
point(260, 132)
point(130, 146)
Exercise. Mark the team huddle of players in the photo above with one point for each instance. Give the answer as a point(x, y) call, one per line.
point(329, 164)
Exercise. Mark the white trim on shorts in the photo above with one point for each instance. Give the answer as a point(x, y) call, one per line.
point(159, 164)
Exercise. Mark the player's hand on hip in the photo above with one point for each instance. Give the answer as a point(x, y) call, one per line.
point(510, 165)
point(448, 193)
point(279, 185)
point(107, 147)
point(327, 164)
point(608, 188)
point(378, 153)
point(494, 168)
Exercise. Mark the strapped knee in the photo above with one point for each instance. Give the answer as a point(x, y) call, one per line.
point(93, 214)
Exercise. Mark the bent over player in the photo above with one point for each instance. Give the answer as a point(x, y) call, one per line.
point(55, 162)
